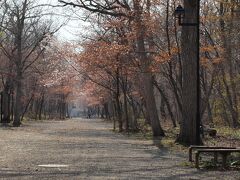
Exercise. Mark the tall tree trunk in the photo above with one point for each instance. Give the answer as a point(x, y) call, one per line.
point(151, 105)
point(115, 115)
point(231, 87)
point(12, 105)
point(164, 98)
point(124, 89)
point(6, 103)
point(145, 113)
point(41, 106)
point(188, 127)
point(27, 106)
point(106, 110)
point(146, 75)
point(118, 106)
point(19, 65)
point(18, 101)
point(210, 116)
point(133, 124)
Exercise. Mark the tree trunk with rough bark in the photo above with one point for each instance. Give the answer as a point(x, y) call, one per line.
point(188, 131)
point(6, 104)
point(18, 101)
point(146, 75)
point(118, 106)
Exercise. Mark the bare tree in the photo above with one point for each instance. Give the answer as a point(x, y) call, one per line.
point(23, 43)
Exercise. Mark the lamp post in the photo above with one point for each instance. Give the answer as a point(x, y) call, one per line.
point(179, 14)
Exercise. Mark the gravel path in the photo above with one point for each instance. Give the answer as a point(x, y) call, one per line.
point(87, 149)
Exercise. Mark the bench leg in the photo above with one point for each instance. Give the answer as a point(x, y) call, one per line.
point(215, 161)
point(197, 160)
point(190, 154)
point(224, 159)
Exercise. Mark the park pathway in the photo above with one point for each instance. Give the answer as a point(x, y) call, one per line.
point(88, 149)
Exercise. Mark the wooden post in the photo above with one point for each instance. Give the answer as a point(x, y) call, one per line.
point(190, 153)
point(197, 160)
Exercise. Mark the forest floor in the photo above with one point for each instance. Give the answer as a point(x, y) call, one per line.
point(88, 149)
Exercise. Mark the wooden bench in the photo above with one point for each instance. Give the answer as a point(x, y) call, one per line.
point(191, 148)
point(224, 152)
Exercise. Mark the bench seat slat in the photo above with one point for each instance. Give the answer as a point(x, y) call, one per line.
point(212, 147)
point(218, 150)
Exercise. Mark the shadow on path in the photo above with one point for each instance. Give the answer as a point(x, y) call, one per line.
point(92, 151)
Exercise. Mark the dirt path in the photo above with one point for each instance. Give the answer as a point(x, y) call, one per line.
point(89, 150)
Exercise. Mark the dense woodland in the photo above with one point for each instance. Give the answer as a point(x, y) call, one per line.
point(133, 63)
